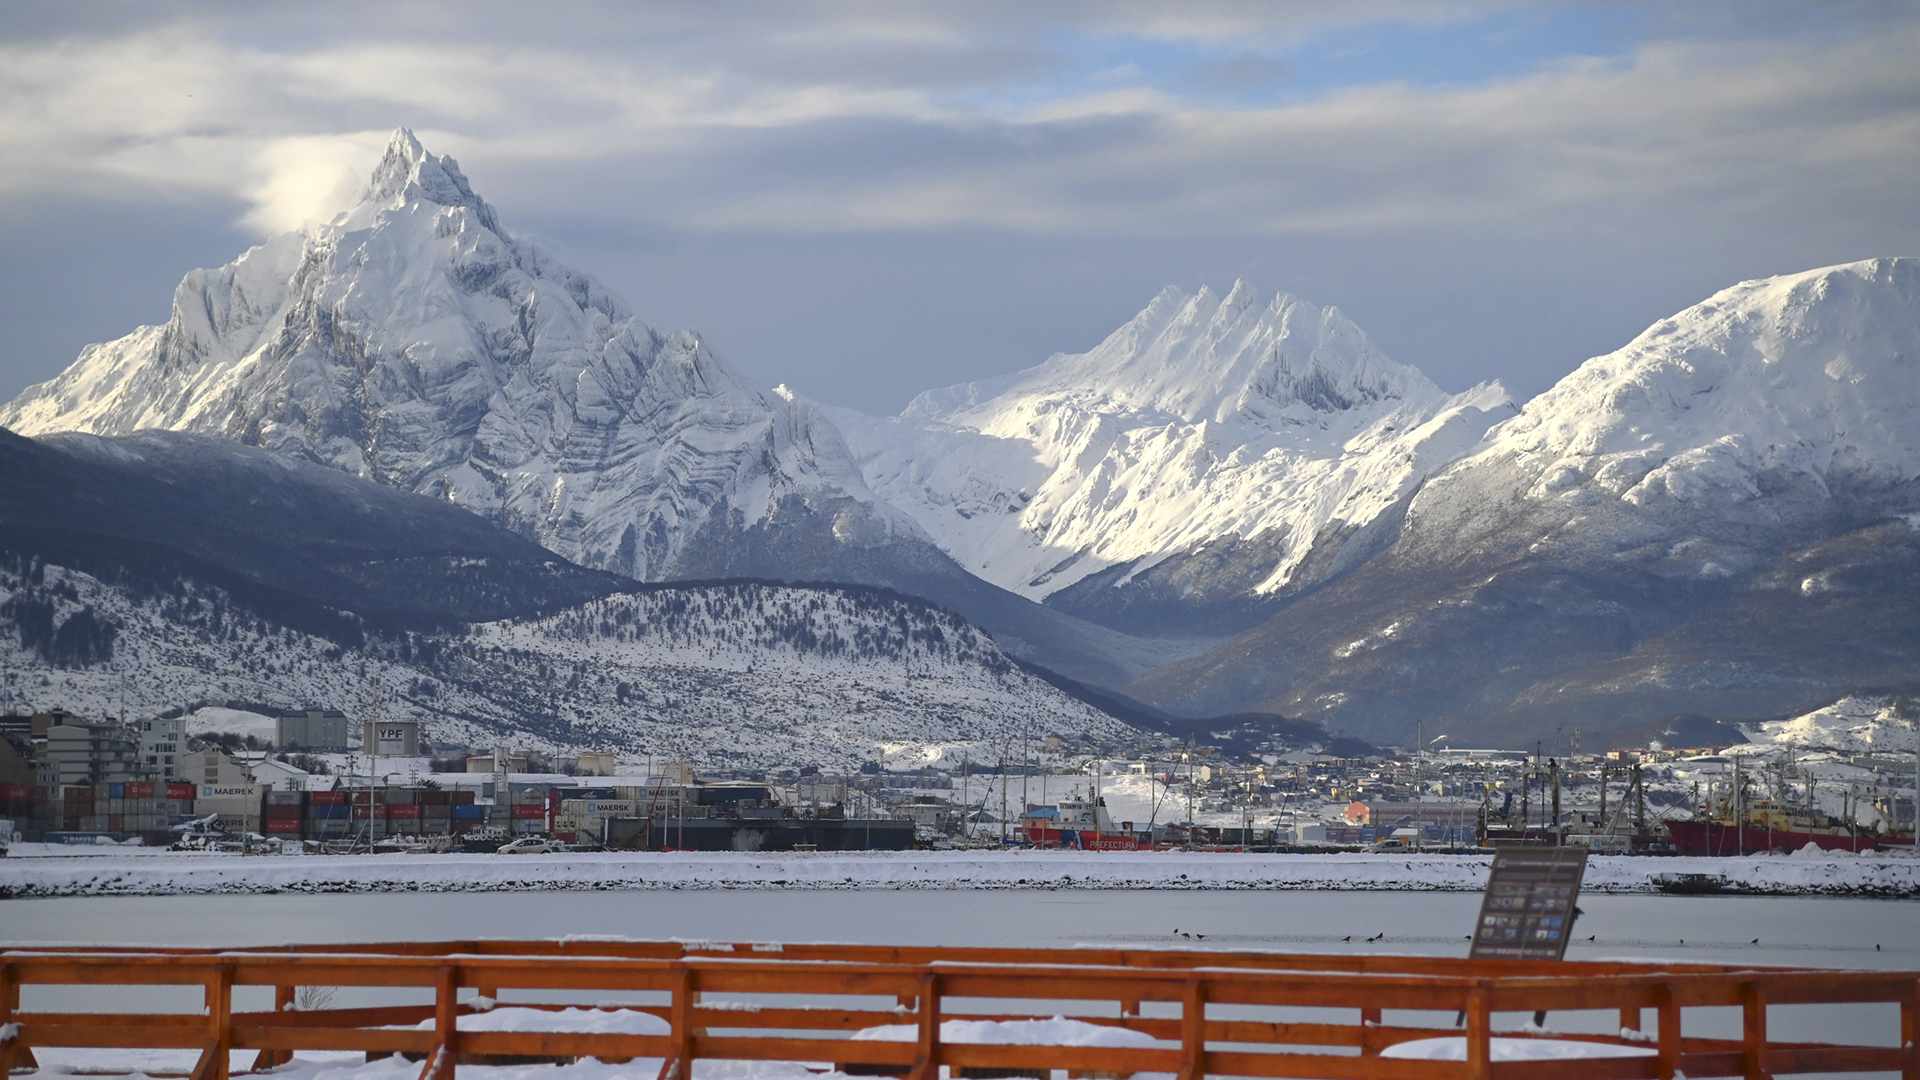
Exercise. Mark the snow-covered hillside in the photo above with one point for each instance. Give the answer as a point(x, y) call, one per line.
point(1858, 725)
point(414, 341)
point(1782, 407)
point(731, 675)
point(1205, 421)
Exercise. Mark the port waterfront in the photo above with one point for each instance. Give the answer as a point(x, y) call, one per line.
point(1247, 794)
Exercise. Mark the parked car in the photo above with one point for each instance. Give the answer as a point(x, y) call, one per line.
point(528, 845)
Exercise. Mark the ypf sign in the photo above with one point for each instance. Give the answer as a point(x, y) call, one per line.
point(1527, 913)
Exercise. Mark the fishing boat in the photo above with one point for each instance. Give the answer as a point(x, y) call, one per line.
point(1080, 823)
point(1766, 825)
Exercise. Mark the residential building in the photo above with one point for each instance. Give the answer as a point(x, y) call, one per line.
point(310, 729)
point(163, 741)
point(81, 753)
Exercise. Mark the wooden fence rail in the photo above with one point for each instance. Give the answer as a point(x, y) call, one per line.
point(799, 1003)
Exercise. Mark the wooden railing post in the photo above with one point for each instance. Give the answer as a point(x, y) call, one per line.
point(1479, 1032)
point(446, 1026)
point(213, 1064)
point(1910, 1032)
point(926, 1058)
point(9, 1001)
point(682, 1041)
point(1667, 1011)
point(1369, 1032)
point(283, 997)
point(1753, 1031)
point(1193, 1031)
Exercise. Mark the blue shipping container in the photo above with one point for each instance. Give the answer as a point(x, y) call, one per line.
point(116, 791)
point(320, 812)
point(468, 810)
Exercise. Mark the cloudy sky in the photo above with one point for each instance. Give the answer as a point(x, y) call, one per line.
point(864, 200)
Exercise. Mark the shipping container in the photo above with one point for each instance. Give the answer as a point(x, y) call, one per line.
point(327, 798)
point(283, 827)
point(462, 797)
point(139, 789)
point(400, 796)
point(180, 791)
point(432, 798)
point(116, 791)
point(468, 812)
point(116, 822)
point(529, 826)
point(377, 812)
point(523, 812)
point(408, 812)
point(286, 798)
point(529, 798)
point(323, 812)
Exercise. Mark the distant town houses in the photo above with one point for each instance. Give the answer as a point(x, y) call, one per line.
point(326, 782)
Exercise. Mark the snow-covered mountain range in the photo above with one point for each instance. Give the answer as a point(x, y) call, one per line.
point(1198, 456)
point(1234, 503)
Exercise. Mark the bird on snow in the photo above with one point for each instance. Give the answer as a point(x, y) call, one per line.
point(1755, 941)
point(1590, 937)
point(1349, 937)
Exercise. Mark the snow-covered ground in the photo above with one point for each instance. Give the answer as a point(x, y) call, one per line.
point(120, 873)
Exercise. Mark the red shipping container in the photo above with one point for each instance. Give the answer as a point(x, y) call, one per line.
point(395, 813)
point(327, 798)
point(462, 798)
point(283, 813)
point(370, 813)
point(176, 790)
point(530, 812)
point(139, 789)
point(116, 822)
point(280, 825)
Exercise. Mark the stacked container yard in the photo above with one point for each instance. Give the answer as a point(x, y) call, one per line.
point(328, 816)
point(284, 813)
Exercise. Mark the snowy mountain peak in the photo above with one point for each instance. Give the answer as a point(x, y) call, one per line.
point(408, 173)
point(1206, 358)
point(1777, 409)
point(1810, 373)
point(1207, 428)
point(413, 341)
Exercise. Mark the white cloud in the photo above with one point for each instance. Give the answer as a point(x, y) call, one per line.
point(780, 124)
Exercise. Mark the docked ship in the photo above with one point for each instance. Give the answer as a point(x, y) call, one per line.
point(1080, 823)
point(1767, 825)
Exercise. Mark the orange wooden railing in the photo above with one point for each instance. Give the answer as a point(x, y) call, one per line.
point(922, 982)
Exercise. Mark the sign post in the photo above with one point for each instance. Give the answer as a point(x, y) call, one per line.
point(1528, 910)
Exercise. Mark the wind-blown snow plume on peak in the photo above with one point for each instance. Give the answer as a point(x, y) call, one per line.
point(414, 341)
point(1200, 453)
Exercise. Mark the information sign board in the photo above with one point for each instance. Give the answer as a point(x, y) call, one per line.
point(1527, 913)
